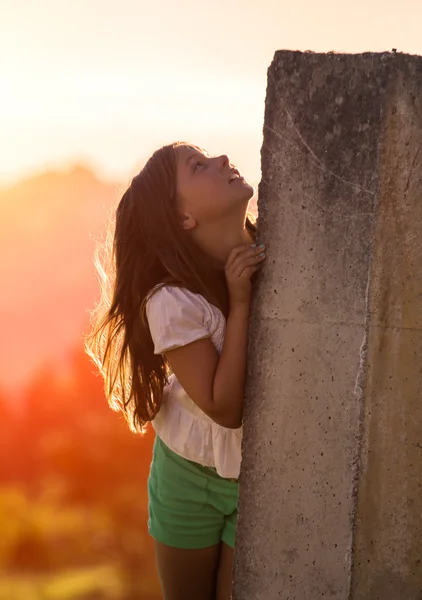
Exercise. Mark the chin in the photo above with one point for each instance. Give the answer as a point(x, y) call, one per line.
point(252, 190)
point(242, 196)
point(245, 189)
point(249, 190)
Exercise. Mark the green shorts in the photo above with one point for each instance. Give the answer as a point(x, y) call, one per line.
point(189, 506)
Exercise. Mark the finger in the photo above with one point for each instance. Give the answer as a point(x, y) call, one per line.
point(239, 250)
point(236, 275)
point(234, 255)
point(250, 253)
point(248, 262)
point(249, 271)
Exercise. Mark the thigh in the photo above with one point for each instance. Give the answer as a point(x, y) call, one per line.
point(225, 573)
point(187, 574)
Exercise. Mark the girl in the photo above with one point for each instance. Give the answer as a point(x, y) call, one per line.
point(170, 340)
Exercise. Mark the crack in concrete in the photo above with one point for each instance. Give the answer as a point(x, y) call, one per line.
point(318, 162)
point(304, 194)
point(359, 392)
point(412, 166)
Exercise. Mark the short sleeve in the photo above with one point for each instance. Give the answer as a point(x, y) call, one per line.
point(176, 317)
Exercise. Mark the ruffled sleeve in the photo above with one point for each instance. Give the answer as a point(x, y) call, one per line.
point(176, 317)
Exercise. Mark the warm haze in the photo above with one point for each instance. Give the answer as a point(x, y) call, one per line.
point(106, 82)
point(88, 90)
point(102, 85)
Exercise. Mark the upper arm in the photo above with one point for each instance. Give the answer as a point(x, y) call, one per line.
point(195, 365)
point(177, 322)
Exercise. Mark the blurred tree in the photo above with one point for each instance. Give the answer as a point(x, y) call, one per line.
point(78, 455)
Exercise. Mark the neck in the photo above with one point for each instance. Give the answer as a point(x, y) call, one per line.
point(219, 239)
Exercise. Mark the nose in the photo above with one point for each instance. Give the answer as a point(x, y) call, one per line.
point(224, 160)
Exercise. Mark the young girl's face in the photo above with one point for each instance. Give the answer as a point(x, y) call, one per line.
point(205, 192)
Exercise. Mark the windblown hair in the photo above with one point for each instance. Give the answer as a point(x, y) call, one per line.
point(145, 246)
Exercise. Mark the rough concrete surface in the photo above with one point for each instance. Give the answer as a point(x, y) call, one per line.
point(331, 481)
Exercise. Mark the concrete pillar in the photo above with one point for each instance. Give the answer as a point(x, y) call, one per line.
point(331, 481)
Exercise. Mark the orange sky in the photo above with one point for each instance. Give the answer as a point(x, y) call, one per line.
point(107, 82)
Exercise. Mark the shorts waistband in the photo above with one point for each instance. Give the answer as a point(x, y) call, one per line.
point(196, 467)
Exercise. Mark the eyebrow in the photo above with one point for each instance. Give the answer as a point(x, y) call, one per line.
point(189, 158)
point(195, 154)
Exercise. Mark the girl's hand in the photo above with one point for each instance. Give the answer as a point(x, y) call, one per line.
point(242, 263)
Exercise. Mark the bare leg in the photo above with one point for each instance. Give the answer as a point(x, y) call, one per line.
point(187, 574)
point(224, 575)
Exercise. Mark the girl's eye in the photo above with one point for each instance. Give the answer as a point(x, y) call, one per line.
point(198, 163)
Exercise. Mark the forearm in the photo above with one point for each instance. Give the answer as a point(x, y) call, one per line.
point(229, 378)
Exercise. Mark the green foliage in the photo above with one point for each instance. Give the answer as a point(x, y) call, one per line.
point(73, 498)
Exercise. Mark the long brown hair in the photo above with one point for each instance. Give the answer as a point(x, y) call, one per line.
point(145, 246)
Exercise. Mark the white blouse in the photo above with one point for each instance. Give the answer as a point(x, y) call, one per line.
point(176, 317)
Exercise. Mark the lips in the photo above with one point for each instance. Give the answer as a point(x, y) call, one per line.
point(234, 172)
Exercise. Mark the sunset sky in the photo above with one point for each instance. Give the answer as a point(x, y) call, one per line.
point(105, 83)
